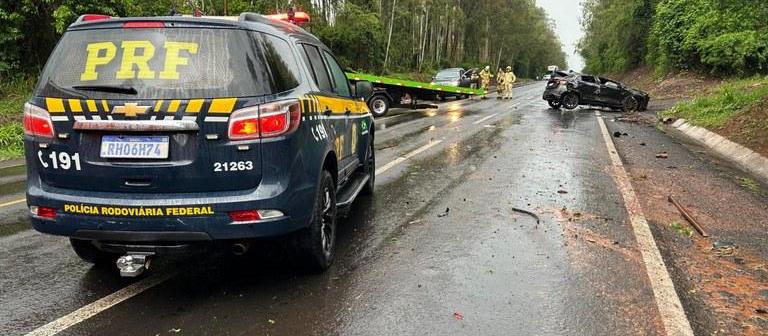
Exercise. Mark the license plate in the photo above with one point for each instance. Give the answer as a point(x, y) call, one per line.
point(134, 147)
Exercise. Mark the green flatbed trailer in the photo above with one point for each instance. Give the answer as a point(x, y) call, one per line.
point(388, 92)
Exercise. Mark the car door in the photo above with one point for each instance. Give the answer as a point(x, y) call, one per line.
point(331, 112)
point(346, 108)
point(612, 94)
point(589, 89)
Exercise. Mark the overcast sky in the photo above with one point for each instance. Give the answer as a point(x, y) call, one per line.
point(566, 15)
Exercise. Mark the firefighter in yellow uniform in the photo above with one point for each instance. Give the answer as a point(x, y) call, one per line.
point(509, 80)
point(499, 82)
point(485, 80)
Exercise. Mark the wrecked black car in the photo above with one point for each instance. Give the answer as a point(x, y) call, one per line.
point(581, 89)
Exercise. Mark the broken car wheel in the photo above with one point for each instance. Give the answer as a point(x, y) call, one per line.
point(570, 101)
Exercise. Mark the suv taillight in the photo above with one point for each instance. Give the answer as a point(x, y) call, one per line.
point(265, 121)
point(37, 122)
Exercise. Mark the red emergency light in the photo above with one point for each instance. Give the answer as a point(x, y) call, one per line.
point(95, 17)
point(292, 17)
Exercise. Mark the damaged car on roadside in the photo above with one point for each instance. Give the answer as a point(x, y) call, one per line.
point(582, 89)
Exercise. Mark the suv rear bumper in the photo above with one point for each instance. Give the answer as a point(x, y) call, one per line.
point(96, 217)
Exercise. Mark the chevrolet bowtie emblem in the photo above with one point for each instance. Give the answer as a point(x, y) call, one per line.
point(130, 109)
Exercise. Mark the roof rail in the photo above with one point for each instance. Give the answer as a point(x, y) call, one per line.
point(253, 17)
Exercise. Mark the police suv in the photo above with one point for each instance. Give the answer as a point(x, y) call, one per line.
point(149, 136)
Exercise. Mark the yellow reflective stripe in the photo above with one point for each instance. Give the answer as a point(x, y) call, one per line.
point(158, 105)
point(194, 105)
point(174, 106)
point(75, 106)
point(105, 105)
point(91, 105)
point(222, 105)
point(54, 105)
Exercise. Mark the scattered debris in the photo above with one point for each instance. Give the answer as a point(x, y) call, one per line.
point(562, 192)
point(662, 155)
point(761, 310)
point(175, 331)
point(724, 249)
point(458, 316)
point(642, 144)
point(688, 216)
point(617, 134)
point(444, 213)
point(528, 213)
point(271, 321)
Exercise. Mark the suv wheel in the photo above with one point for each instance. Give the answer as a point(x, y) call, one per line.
point(630, 104)
point(370, 168)
point(317, 243)
point(570, 101)
point(89, 253)
point(554, 104)
point(379, 106)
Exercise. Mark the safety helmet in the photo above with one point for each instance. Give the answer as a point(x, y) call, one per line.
point(487, 67)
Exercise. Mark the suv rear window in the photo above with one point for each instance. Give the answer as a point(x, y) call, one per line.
point(168, 63)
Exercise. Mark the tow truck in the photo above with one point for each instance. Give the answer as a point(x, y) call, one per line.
point(390, 92)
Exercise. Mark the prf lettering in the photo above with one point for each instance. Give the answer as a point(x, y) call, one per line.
point(135, 59)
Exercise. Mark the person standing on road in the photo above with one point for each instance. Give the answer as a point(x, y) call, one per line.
point(499, 82)
point(485, 80)
point(509, 80)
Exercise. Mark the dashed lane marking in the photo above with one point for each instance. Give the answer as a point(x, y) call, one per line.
point(485, 118)
point(3, 205)
point(100, 305)
point(670, 309)
point(401, 159)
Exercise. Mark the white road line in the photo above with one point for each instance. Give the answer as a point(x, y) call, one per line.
point(671, 310)
point(400, 160)
point(100, 305)
point(486, 118)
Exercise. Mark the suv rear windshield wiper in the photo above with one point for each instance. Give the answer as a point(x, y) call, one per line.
point(107, 88)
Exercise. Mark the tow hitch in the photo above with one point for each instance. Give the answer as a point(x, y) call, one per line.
point(133, 264)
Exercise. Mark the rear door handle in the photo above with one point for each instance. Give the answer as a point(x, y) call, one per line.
point(327, 111)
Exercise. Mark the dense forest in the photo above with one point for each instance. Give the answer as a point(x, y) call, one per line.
point(382, 36)
point(720, 37)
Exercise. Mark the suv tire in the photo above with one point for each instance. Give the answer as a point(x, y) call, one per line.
point(89, 253)
point(369, 167)
point(317, 243)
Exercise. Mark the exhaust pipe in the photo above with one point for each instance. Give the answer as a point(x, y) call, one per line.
point(239, 249)
point(132, 265)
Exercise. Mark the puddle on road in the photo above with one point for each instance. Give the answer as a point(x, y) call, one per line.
point(394, 142)
point(7, 229)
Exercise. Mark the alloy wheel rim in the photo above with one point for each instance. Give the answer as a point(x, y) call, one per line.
point(326, 229)
point(379, 106)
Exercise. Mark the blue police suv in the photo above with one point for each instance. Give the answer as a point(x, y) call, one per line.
point(161, 135)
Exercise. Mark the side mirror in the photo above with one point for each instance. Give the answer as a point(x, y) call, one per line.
point(363, 89)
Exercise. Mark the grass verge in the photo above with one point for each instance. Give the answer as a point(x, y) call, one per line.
point(737, 110)
point(13, 95)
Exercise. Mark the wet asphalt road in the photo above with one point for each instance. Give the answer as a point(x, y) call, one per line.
point(438, 250)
